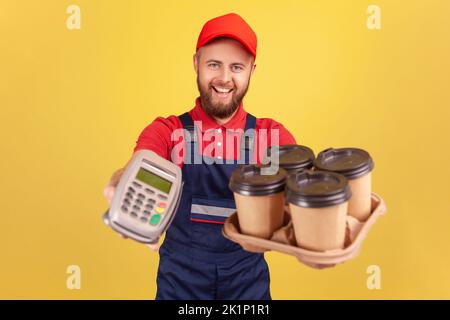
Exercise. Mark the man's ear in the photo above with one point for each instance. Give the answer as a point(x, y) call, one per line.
point(253, 69)
point(195, 62)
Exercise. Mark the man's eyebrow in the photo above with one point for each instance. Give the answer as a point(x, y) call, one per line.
point(220, 62)
point(212, 60)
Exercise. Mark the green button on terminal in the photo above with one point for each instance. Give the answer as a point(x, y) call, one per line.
point(154, 220)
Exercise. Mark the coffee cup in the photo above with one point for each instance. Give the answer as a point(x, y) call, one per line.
point(356, 165)
point(318, 203)
point(259, 198)
point(291, 157)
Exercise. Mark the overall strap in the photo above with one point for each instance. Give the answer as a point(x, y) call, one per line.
point(250, 123)
point(186, 120)
point(248, 140)
point(190, 137)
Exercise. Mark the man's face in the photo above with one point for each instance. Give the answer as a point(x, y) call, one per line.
point(223, 68)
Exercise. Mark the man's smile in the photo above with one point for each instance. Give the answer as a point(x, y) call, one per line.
point(222, 92)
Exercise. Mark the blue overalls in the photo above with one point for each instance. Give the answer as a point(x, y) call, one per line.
point(196, 260)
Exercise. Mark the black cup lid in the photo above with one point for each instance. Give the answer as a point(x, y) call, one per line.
point(251, 180)
point(351, 162)
point(317, 189)
point(293, 156)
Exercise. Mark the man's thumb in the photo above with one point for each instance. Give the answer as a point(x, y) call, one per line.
point(108, 192)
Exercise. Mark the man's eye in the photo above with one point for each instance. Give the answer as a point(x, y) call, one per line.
point(213, 65)
point(237, 68)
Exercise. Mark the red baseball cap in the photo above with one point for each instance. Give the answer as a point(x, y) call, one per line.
point(231, 26)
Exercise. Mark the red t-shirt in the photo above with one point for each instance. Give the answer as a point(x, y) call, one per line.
point(216, 139)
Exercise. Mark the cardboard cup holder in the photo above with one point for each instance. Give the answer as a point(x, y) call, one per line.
point(283, 239)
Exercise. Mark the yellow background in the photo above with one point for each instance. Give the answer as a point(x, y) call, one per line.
point(73, 103)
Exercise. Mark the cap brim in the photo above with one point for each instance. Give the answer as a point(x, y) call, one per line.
point(229, 35)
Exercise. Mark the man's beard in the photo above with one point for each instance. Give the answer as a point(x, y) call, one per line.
point(220, 110)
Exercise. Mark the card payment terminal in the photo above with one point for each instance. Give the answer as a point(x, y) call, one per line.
point(146, 198)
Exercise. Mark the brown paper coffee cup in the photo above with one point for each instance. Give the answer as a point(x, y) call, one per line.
point(291, 157)
point(356, 165)
point(260, 216)
point(359, 205)
point(259, 198)
point(318, 203)
point(319, 229)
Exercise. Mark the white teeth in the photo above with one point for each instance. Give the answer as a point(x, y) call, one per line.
point(223, 90)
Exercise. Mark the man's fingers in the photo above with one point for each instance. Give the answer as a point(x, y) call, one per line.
point(319, 265)
point(108, 192)
point(153, 246)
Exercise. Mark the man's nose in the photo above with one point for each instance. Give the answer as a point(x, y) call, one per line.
point(225, 75)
